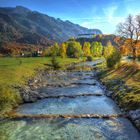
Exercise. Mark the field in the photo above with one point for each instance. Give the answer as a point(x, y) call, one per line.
point(15, 71)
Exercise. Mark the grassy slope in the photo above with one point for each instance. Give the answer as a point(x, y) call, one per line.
point(16, 72)
point(125, 84)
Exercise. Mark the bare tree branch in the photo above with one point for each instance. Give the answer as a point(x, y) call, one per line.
point(130, 30)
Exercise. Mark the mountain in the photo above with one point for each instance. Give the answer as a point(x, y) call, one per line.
point(22, 25)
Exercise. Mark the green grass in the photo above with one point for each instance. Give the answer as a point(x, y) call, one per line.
point(127, 89)
point(16, 72)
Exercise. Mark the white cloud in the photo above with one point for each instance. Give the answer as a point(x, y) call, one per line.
point(110, 17)
point(102, 23)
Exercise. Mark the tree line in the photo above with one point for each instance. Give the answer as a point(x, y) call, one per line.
point(71, 48)
point(74, 49)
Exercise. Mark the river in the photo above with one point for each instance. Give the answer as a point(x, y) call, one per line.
point(81, 95)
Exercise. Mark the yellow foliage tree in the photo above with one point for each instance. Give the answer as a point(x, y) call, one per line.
point(86, 49)
point(63, 48)
point(108, 50)
point(112, 55)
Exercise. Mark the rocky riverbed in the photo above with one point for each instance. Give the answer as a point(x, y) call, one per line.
point(51, 81)
point(68, 105)
point(118, 85)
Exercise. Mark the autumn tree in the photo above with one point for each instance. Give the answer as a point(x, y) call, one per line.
point(130, 30)
point(112, 55)
point(74, 49)
point(55, 50)
point(108, 50)
point(124, 50)
point(96, 49)
point(86, 49)
point(100, 49)
point(63, 48)
point(93, 48)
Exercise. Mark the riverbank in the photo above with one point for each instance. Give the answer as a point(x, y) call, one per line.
point(123, 86)
point(71, 96)
point(122, 83)
point(17, 74)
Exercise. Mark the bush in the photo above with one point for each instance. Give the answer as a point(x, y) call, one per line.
point(89, 58)
point(112, 55)
point(74, 49)
point(54, 62)
point(9, 98)
point(113, 59)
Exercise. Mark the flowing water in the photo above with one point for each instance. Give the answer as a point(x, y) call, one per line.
point(81, 94)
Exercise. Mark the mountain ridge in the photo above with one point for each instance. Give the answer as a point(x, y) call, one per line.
point(23, 25)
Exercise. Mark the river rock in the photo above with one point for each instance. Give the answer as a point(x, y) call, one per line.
point(134, 114)
point(135, 117)
point(28, 95)
point(109, 93)
point(137, 122)
point(44, 95)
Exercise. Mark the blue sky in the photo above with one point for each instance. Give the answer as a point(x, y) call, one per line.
point(101, 14)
